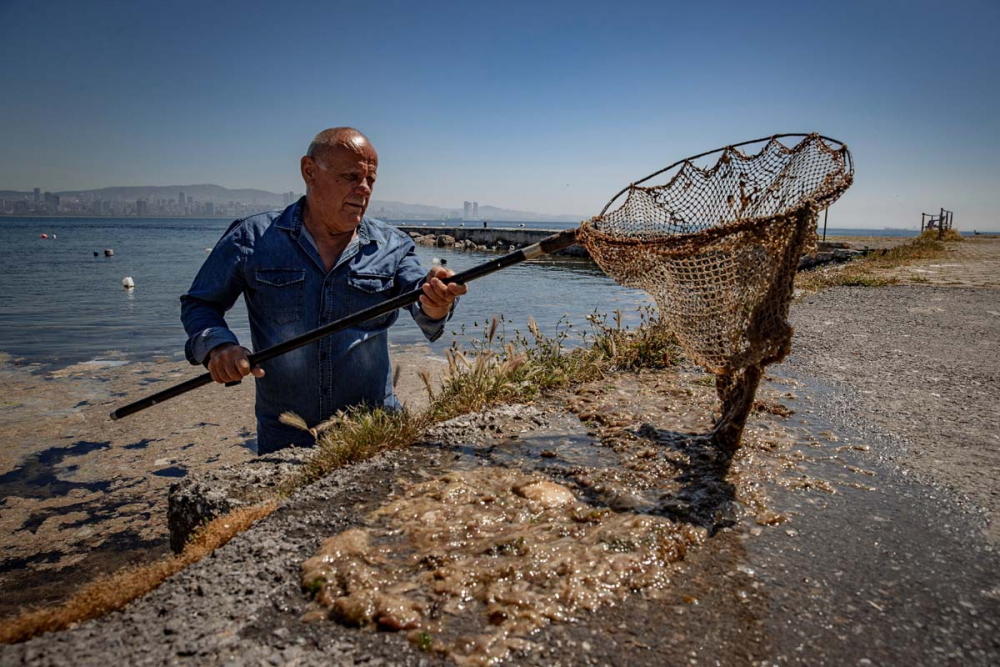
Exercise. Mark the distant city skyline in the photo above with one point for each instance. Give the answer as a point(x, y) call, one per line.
point(553, 114)
point(213, 200)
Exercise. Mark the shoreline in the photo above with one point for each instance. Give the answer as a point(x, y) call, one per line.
point(872, 483)
point(83, 495)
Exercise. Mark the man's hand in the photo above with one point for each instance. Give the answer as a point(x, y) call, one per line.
point(437, 297)
point(230, 363)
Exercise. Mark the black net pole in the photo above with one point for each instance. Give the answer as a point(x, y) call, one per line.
point(546, 246)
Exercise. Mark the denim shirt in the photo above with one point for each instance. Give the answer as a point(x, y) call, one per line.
point(271, 261)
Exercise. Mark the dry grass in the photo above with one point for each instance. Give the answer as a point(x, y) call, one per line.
point(870, 270)
point(495, 369)
point(352, 436)
point(115, 591)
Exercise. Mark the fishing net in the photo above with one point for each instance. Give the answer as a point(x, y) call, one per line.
point(718, 248)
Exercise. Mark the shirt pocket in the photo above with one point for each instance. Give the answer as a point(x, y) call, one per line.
point(280, 294)
point(372, 289)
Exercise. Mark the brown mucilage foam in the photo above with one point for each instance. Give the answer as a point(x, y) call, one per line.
point(718, 249)
point(473, 562)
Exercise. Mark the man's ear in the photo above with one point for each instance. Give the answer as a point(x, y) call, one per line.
point(308, 168)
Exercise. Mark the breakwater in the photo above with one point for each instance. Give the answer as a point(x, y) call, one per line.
point(488, 237)
point(507, 238)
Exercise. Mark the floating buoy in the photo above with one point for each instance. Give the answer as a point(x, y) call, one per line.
point(45, 236)
point(521, 225)
point(444, 262)
point(53, 237)
point(95, 253)
point(208, 250)
point(127, 282)
point(435, 260)
point(108, 252)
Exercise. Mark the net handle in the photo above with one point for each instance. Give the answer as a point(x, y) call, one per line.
point(843, 147)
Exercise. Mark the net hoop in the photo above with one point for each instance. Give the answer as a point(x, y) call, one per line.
point(718, 249)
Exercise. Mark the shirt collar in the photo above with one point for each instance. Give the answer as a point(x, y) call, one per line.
point(291, 219)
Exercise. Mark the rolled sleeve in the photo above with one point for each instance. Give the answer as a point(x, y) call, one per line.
point(215, 289)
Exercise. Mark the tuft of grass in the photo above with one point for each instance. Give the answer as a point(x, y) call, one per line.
point(497, 370)
point(351, 436)
point(868, 271)
point(113, 592)
point(650, 345)
point(948, 236)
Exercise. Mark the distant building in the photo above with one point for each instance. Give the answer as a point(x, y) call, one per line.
point(141, 207)
point(475, 209)
point(180, 199)
point(209, 208)
point(467, 210)
point(38, 196)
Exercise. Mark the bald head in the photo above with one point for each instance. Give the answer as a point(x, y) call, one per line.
point(339, 171)
point(341, 139)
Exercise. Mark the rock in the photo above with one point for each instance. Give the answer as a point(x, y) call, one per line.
point(198, 499)
point(444, 241)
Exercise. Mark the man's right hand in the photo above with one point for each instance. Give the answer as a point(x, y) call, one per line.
point(231, 363)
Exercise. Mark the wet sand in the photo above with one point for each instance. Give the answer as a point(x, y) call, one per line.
point(84, 495)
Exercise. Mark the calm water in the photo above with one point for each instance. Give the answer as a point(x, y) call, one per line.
point(61, 305)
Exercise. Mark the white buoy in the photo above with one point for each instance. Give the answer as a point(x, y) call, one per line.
point(127, 282)
point(435, 261)
point(108, 252)
point(53, 237)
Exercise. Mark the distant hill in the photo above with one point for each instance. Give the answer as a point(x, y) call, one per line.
point(391, 210)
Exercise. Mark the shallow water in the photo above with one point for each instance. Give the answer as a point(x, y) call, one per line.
point(61, 305)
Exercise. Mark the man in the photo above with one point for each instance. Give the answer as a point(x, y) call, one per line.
point(317, 261)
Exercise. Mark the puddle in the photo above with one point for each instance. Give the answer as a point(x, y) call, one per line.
point(37, 476)
point(550, 517)
point(141, 444)
point(472, 563)
point(172, 471)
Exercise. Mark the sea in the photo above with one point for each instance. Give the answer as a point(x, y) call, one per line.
point(62, 300)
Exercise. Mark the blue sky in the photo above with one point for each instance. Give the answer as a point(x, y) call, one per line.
point(549, 107)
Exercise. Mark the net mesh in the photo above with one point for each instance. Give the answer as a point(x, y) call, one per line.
point(717, 248)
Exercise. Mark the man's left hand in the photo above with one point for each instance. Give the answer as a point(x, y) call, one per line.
point(437, 297)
